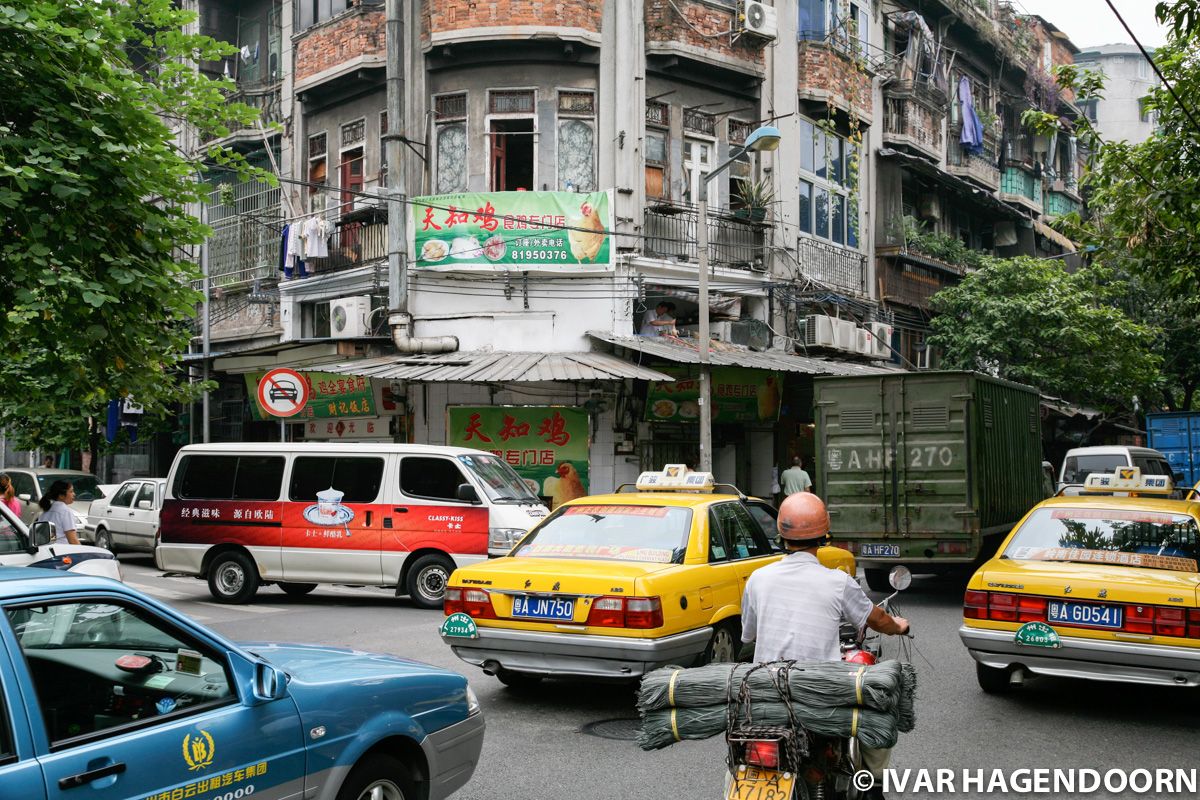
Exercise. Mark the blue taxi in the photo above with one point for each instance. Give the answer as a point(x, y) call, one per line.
point(107, 694)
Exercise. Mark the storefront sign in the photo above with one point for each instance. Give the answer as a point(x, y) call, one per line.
point(329, 396)
point(353, 429)
point(546, 445)
point(739, 395)
point(558, 230)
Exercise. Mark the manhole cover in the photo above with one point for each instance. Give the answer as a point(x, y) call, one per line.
point(623, 729)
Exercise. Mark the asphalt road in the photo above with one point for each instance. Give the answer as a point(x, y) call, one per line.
point(539, 745)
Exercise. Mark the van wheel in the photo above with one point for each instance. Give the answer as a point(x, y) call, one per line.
point(992, 680)
point(297, 589)
point(232, 578)
point(877, 580)
point(104, 540)
point(378, 776)
point(427, 579)
point(724, 645)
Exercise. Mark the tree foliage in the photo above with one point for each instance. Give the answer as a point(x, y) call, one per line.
point(1031, 321)
point(95, 295)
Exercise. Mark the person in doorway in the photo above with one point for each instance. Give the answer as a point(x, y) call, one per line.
point(793, 609)
point(48, 462)
point(795, 479)
point(660, 321)
point(56, 508)
point(8, 494)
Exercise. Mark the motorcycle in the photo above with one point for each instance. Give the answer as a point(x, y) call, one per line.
point(791, 763)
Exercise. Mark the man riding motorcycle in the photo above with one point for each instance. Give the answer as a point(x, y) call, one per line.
point(794, 608)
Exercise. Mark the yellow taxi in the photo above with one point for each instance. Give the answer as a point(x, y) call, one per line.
point(616, 585)
point(1102, 585)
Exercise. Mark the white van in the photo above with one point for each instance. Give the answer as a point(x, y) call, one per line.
point(1083, 461)
point(390, 515)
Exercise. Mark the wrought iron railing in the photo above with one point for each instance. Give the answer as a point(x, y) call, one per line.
point(839, 267)
point(906, 121)
point(353, 244)
point(733, 241)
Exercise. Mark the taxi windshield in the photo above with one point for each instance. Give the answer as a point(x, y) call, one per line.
point(656, 534)
point(1122, 537)
point(500, 481)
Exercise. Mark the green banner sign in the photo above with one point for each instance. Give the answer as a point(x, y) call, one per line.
point(329, 396)
point(739, 395)
point(555, 230)
point(546, 445)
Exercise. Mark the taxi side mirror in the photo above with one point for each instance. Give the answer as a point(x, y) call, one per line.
point(42, 533)
point(466, 493)
point(270, 682)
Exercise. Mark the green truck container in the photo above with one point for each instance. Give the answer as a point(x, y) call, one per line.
point(921, 468)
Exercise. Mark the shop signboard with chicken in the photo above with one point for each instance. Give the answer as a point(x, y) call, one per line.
point(533, 230)
point(546, 445)
point(739, 395)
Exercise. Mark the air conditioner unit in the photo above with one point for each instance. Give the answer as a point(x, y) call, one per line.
point(348, 316)
point(863, 341)
point(818, 331)
point(759, 19)
point(845, 335)
point(881, 339)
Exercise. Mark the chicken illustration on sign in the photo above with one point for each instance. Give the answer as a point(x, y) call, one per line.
point(547, 446)
point(543, 230)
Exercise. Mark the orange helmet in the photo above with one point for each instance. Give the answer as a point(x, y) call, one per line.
point(802, 516)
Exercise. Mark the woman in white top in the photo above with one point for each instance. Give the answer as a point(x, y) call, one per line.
point(56, 508)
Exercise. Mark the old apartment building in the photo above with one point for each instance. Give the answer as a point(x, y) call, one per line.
point(823, 253)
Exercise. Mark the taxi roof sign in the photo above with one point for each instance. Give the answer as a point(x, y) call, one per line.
point(675, 478)
point(1128, 479)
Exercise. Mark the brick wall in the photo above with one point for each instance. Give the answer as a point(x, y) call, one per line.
point(824, 71)
point(360, 31)
point(454, 15)
point(663, 24)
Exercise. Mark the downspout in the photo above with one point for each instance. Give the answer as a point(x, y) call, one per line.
point(399, 319)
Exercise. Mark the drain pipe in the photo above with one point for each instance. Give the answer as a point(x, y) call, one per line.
point(397, 228)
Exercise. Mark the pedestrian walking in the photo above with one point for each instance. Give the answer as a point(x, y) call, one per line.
point(795, 479)
point(55, 505)
point(8, 494)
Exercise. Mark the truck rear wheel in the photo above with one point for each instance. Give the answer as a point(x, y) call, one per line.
point(877, 579)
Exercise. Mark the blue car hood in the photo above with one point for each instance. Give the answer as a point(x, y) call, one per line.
point(313, 663)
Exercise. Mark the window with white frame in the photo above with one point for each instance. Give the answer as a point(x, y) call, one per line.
point(741, 171)
point(699, 155)
point(318, 149)
point(577, 141)
point(512, 134)
point(658, 164)
point(450, 142)
point(828, 194)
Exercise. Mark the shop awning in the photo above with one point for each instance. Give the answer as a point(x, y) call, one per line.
point(732, 355)
point(478, 366)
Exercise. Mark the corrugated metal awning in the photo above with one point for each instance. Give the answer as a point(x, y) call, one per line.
point(732, 355)
point(479, 366)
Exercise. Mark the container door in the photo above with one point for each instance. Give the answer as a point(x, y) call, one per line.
point(932, 423)
point(854, 470)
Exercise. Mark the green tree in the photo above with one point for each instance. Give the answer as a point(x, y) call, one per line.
point(1031, 321)
point(96, 295)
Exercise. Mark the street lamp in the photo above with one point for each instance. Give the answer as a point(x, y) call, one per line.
point(763, 139)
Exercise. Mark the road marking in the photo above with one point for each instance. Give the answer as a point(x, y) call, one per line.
point(251, 609)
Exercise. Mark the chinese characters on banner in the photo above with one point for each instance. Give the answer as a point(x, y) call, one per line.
point(739, 395)
point(556, 230)
point(330, 396)
point(546, 445)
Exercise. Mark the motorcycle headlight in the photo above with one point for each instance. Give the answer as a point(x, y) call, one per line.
point(473, 706)
point(504, 537)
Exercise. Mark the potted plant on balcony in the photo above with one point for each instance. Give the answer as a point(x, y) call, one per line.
point(754, 199)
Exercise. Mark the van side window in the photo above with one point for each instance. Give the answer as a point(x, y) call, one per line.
point(357, 478)
point(258, 478)
point(438, 478)
point(228, 478)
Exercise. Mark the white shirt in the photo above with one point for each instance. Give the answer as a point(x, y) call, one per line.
point(651, 316)
point(794, 608)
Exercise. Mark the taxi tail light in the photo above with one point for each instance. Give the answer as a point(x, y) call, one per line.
point(478, 604)
point(643, 612)
point(452, 601)
point(1139, 619)
point(607, 612)
point(1031, 609)
point(1193, 617)
point(1002, 607)
point(1170, 622)
point(975, 604)
point(763, 753)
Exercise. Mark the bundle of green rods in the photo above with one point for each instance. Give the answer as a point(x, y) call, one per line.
point(872, 702)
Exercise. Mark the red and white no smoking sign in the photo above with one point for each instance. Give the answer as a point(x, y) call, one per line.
point(282, 392)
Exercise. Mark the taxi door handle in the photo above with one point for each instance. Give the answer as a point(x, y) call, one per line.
point(72, 781)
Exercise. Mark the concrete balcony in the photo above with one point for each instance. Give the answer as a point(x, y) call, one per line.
point(267, 100)
point(913, 122)
point(1020, 187)
point(454, 22)
point(981, 168)
point(734, 242)
point(1060, 201)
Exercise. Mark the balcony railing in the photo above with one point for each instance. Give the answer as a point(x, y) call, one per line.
point(267, 100)
point(733, 242)
point(909, 283)
point(983, 168)
point(1060, 202)
point(353, 244)
point(1021, 186)
point(244, 248)
point(840, 267)
point(909, 122)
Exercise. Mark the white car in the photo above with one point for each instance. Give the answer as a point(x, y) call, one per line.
point(37, 547)
point(127, 519)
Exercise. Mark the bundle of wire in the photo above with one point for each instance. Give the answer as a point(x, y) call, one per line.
point(817, 684)
point(667, 726)
point(906, 706)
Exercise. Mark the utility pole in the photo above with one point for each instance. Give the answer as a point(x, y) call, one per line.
point(205, 335)
point(397, 177)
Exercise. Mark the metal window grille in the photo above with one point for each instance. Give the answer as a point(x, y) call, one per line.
point(699, 122)
point(316, 145)
point(353, 132)
point(658, 113)
point(515, 101)
point(739, 130)
point(382, 122)
point(450, 106)
point(577, 103)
